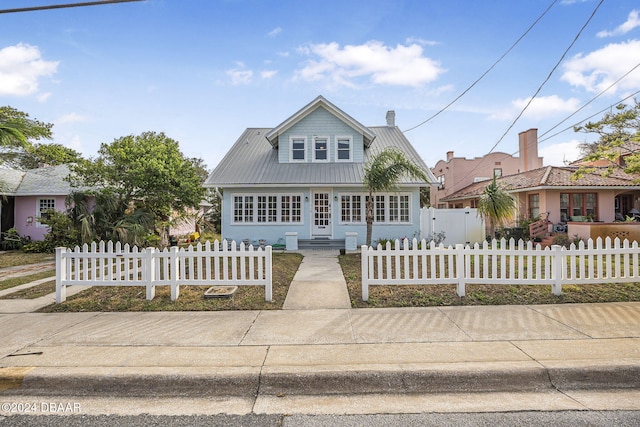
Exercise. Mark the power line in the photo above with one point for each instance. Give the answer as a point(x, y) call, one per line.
point(547, 78)
point(488, 70)
point(591, 100)
point(590, 117)
point(64, 5)
point(541, 85)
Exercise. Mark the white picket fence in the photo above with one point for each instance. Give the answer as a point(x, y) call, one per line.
point(503, 263)
point(109, 264)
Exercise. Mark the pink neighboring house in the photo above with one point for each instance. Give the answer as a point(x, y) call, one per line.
point(456, 173)
point(28, 194)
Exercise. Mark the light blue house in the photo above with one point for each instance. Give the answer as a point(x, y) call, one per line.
point(300, 183)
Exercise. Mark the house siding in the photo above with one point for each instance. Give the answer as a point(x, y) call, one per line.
point(26, 207)
point(320, 122)
point(274, 233)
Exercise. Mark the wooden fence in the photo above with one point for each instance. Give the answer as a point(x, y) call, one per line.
point(501, 262)
point(109, 264)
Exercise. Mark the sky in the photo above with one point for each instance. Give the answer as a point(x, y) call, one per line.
point(202, 71)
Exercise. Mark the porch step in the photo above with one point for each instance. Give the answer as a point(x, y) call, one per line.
point(321, 244)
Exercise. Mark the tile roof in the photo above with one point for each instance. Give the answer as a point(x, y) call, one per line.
point(548, 177)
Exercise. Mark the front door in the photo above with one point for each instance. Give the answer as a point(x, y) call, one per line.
point(321, 220)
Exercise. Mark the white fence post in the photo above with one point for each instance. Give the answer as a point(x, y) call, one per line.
point(149, 273)
point(364, 260)
point(61, 276)
point(174, 272)
point(557, 269)
point(460, 270)
point(268, 291)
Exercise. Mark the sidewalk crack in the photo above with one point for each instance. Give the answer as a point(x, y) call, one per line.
point(259, 386)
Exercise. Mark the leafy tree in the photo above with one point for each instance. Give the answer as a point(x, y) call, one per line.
point(49, 154)
point(17, 130)
point(496, 206)
point(383, 173)
point(618, 134)
point(146, 173)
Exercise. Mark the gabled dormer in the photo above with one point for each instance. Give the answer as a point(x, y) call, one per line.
point(320, 133)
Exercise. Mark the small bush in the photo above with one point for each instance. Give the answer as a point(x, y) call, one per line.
point(563, 239)
point(11, 240)
point(39, 246)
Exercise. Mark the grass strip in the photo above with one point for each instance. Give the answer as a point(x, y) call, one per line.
point(445, 295)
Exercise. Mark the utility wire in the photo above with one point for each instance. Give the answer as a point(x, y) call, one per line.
point(591, 100)
point(590, 117)
point(548, 77)
point(541, 86)
point(487, 71)
point(577, 123)
point(64, 5)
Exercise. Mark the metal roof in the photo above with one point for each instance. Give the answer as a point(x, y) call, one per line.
point(253, 161)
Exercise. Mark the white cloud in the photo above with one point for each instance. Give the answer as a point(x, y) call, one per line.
point(274, 32)
point(42, 97)
point(21, 67)
point(599, 69)
point(633, 21)
point(561, 153)
point(240, 76)
point(71, 118)
point(383, 65)
point(267, 74)
point(423, 42)
point(541, 107)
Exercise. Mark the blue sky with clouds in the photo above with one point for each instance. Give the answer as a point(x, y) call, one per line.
point(204, 70)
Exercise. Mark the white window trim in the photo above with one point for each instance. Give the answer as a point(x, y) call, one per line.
point(343, 138)
point(297, 138)
point(313, 148)
point(363, 207)
point(38, 212)
point(255, 209)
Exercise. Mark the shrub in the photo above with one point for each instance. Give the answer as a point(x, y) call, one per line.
point(11, 240)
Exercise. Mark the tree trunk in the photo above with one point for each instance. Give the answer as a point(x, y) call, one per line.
point(369, 218)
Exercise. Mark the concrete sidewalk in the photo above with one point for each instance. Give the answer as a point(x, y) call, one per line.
point(330, 360)
point(536, 357)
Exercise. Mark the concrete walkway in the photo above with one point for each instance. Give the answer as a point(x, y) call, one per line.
point(318, 283)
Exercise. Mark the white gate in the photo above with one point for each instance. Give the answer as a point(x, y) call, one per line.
point(460, 226)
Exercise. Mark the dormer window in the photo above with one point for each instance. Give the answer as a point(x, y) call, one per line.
point(321, 149)
point(298, 149)
point(344, 149)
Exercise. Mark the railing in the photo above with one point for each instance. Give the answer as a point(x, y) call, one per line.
point(109, 264)
point(501, 262)
point(539, 228)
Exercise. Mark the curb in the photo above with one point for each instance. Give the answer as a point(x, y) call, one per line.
point(251, 382)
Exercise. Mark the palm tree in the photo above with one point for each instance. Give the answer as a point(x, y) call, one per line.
point(496, 206)
point(382, 173)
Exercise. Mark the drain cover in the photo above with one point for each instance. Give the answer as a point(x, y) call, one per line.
point(220, 291)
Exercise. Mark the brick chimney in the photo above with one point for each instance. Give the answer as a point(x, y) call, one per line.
point(528, 142)
point(391, 118)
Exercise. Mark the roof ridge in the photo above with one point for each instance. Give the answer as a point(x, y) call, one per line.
point(546, 175)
